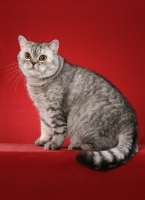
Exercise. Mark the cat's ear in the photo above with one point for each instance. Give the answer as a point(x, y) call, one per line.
point(22, 41)
point(54, 45)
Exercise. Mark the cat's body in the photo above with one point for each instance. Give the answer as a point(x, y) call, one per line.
point(76, 102)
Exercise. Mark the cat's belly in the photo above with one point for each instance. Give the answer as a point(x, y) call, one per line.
point(91, 130)
point(92, 121)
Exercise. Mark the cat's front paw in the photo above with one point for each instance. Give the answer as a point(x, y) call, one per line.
point(51, 146)
point(39, 142)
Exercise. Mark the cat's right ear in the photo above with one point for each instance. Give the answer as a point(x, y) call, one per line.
point(22, 41)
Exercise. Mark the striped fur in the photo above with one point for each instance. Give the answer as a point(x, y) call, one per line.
point(104, 160)
point(78, 103)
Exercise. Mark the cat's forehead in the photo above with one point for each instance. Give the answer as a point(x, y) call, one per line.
point(36, 48)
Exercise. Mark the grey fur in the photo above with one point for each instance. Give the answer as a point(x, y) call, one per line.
point(81, 104)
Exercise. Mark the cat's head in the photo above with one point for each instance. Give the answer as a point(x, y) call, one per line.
point(38, 60)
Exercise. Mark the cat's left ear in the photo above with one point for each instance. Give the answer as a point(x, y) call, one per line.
point(54, 45)
point(22, 41)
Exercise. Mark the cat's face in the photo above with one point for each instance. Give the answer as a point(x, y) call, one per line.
point(38, 60)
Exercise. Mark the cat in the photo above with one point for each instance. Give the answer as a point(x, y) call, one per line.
point(76, 102)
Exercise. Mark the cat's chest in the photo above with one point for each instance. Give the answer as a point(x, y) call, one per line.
point(45, 98)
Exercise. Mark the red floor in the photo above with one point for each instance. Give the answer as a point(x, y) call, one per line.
point(107, 37)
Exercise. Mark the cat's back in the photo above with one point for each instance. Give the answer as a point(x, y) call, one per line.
point(90, 94)
point(86, 84)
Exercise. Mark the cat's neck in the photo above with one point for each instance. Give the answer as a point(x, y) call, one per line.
point(37, 82)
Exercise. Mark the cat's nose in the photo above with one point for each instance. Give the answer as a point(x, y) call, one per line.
point(33, 63)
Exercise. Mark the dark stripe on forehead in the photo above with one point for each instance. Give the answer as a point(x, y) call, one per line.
point(36, 48)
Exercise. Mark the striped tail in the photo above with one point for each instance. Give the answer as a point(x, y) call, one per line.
point(104, 160)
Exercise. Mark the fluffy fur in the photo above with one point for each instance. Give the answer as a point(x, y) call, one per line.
point(81, 104)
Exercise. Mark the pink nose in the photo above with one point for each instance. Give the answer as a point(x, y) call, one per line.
point(33, 63)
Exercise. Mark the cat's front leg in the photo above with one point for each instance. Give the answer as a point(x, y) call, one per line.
point(59, 129)
point(57, 139)
point(46, 135)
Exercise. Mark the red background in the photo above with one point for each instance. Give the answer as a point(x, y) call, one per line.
point(106, 36)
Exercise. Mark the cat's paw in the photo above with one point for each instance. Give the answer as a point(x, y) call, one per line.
point(74, 147)
point(51, 146)
point(39, 142)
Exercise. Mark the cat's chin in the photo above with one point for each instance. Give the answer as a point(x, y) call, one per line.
point(33, 74)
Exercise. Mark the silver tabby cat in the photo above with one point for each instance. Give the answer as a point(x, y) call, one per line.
point(78, 103)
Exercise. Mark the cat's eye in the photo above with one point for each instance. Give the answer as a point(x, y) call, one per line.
point(28, 56)
point(42, 58)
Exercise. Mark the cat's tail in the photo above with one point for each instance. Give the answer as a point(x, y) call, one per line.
point(104, 160)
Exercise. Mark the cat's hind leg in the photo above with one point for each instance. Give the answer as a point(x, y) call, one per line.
point(46, 135)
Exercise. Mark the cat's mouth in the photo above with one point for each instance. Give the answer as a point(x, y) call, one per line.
point(34, 72)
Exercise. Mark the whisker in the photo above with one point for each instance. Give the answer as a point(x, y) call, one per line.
point(47, 38)
point(14, 67)
point(15, 63)
point(16, 70)
point(13, 75)
point(17, 80)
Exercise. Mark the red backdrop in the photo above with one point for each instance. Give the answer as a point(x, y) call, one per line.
point(106, 36)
